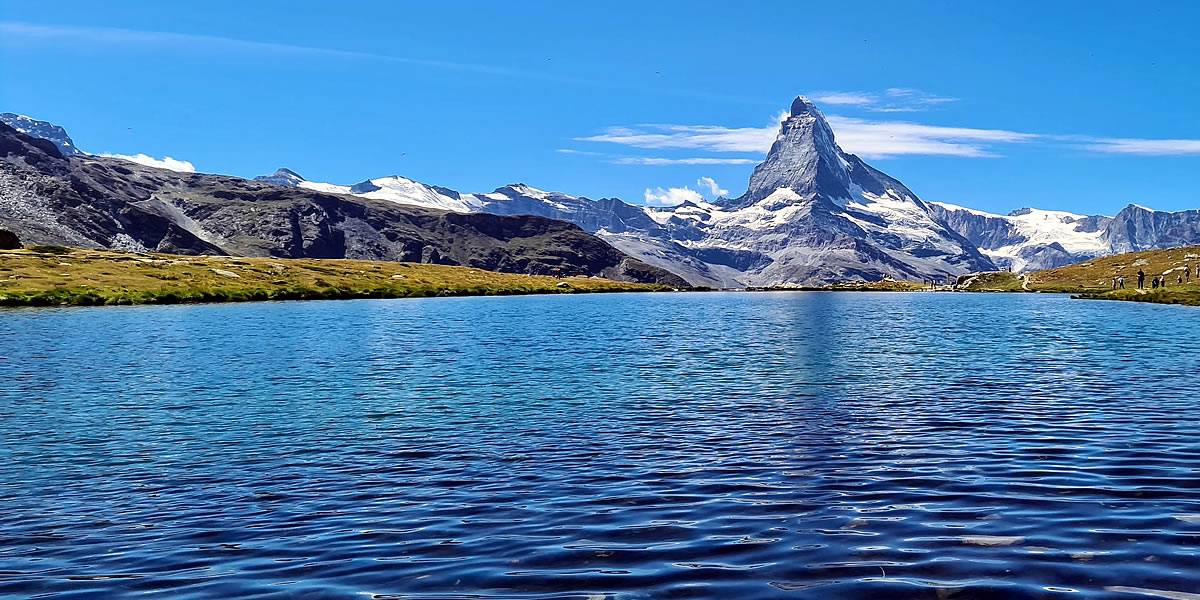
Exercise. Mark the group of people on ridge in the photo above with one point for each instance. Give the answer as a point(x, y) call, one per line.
point(1118, 282)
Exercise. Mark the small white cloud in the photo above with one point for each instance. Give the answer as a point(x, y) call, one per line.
point(573, 151)
point(844, 98)
point(165, 162)
point(659, 161)
point(671, 196)
point(713, 189)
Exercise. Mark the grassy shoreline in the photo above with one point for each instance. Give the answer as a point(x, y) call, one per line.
point(54, 276)
point(1092, 279)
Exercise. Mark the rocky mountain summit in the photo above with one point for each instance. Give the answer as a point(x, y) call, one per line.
point(47, 197)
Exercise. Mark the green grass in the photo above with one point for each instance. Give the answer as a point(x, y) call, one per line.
point(46, 276)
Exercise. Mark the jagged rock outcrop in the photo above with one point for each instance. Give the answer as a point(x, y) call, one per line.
point(46, 197)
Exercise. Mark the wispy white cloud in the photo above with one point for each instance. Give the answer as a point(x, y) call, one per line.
point(866, 138)
point(1144, 147)
point(15, 31)
point(894, 99)
point(165, 162)
point(704, 137)
point(885, 139)
point(714, 190)
point(657, 161)
point(671, 196)
point(871, 139)
point(898, 99)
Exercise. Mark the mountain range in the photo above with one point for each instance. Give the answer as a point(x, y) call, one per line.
point(812, 214)
point(48, 197)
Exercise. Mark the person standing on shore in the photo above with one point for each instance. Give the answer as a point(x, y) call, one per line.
point(1114, 283)
point(1121, 282)
point(1141, 279)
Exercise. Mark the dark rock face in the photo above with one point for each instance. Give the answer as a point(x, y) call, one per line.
point(9, 240)
point(46, 197)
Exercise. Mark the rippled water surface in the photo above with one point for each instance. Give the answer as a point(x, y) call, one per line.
point(798, 445)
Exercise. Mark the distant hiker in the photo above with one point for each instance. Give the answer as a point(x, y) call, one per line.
point(1114, 283)
point(1121, 282)
point(1141, 279)
point(1187, 273)
point(1154, 282)
point(1179, 279)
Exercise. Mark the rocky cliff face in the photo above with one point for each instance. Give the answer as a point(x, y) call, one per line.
point(1139, 228)
point(42, 130)
point(47, 197)
point(804, 159)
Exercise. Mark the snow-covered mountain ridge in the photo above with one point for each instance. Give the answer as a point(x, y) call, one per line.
point(813, 214)
point(1030, 239)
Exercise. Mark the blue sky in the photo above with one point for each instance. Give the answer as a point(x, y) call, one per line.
point(1081, 106)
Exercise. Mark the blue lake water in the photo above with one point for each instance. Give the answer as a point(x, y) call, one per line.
point(729, 445)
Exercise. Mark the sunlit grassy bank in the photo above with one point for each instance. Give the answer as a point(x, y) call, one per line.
point(43, 276)
point(1094, 279)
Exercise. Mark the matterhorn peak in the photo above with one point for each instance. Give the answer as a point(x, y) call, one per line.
point(804, 158)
